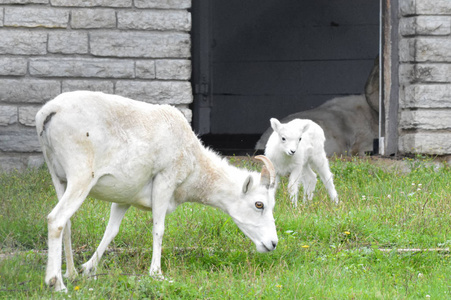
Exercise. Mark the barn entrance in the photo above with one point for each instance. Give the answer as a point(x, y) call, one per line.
point(253, 60)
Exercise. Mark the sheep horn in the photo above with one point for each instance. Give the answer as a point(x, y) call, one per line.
point(268, 174)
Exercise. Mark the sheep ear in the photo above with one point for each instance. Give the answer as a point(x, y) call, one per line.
point(275, 124)
point(248, 184)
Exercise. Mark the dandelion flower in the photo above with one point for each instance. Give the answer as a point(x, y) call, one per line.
point(279, 286)
point(76, 288)
point(347, 233)
point(305, 246)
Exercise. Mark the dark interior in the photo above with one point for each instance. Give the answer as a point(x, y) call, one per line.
point(253, 60)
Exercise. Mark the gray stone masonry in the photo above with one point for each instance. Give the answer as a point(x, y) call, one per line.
point(135, 48)
point(425, 77)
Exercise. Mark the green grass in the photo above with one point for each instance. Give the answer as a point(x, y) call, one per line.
point(325, 251)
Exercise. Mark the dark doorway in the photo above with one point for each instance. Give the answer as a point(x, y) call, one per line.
point(253, 60)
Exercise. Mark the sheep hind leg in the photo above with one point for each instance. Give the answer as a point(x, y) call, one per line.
point(58, 221)
point(71, 272)
point(321, 165)
point(116, 215)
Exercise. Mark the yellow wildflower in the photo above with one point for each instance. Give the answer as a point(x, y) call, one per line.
point(76, 288)
point(305, 246)
point(347, 232)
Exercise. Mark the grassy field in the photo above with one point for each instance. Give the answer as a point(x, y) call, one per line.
point(349, 251)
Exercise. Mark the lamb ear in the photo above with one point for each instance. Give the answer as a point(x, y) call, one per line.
point(275, 124)
point(248, 184)
point(306, 127)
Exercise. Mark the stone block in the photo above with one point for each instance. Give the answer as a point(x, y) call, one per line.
point(88, 85)
point(158, 92)
point(36, 17)
point(81, 67)
point(177, 20)
point(68, 42)
point(13, 66)
point(8, 115)
point(92, 3)
point(425, 25)
point(437, 143)
point(425, 50)
point(145, 69)
point(141, 44)
point(427, 119)
point(93, 18)
point(27, 115)
point(28, 90)
point(23, 140)
point(21, 42)
point(426, 96)
point(35, 161)
point(165, 4)
point(24, 1)
point(174, 69)
point(425, 73)
point(11, 162)
point(1, 17)
point(188, 113)
point(425, 7)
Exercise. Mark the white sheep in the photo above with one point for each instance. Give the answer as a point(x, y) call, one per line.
point(136, 154)
point(296, 148)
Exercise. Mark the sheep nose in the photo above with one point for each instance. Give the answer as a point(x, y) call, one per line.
point(274, 244)
point(292, 152)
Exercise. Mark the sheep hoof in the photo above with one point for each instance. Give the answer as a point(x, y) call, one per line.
point(158, 277)
point(52, 282)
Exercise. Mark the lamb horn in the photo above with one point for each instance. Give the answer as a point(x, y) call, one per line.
point(268, 174)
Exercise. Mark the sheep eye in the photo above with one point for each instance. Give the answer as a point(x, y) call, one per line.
point(300, 139)
point(283, 139)
point(259, 205)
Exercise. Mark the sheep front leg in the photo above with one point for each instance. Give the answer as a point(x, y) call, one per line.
point(293, 186)
point(162, 193)
point(309, 182)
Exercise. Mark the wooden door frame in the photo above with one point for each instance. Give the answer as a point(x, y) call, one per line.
point(389, 78)
point(201, 36)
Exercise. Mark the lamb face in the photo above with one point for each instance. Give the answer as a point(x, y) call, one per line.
point(289, 134)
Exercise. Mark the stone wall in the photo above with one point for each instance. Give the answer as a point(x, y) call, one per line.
point(425, 76)
point(135, 48)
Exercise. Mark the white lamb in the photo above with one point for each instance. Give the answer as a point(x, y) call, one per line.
point(296, 148)
point(136, 154)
